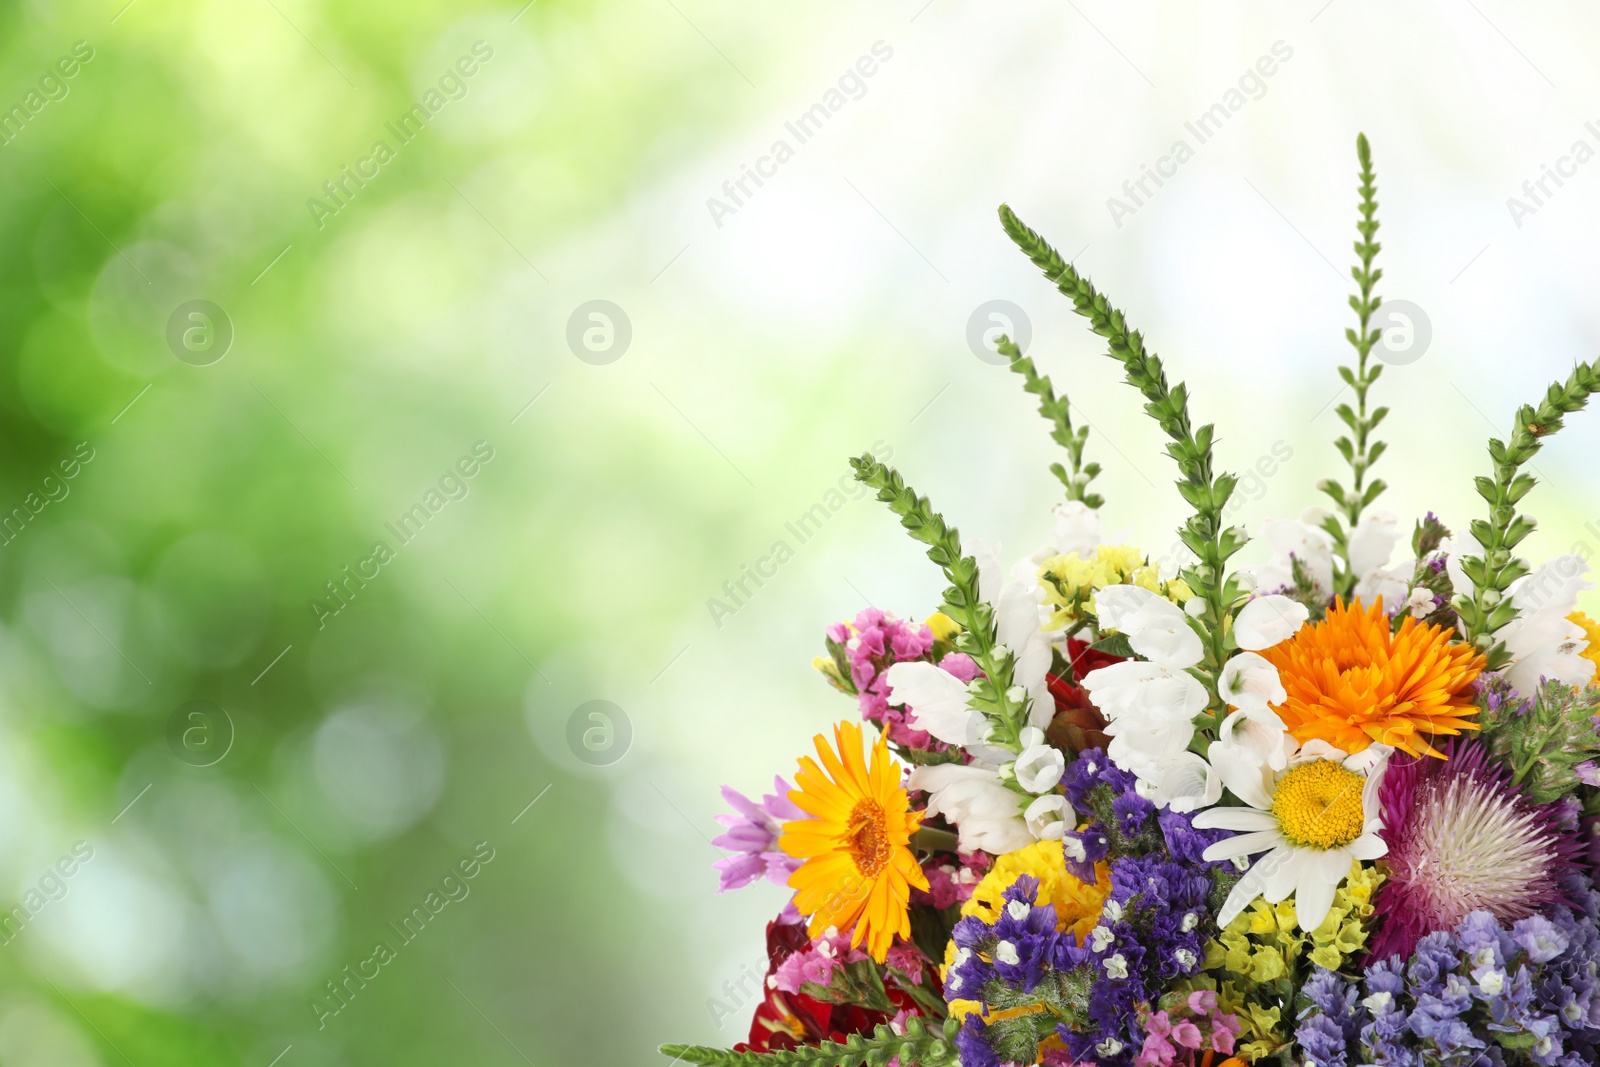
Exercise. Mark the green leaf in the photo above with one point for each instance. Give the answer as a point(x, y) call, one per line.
point(1115, 645)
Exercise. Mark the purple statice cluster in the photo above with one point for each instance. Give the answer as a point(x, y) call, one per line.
point(1152, 934)
point(1161, 907)
point(865, 650)
point(1483, 996)
point(1019, 960)
point(1119, 822)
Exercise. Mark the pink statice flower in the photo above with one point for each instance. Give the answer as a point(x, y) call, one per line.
point(1174, 1037)
point(961, 665)
point(815, 962)
point(951, 883)
point(752, 836)
point(874, 642)
point(906, 958)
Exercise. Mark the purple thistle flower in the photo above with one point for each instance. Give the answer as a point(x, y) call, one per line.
point(1461, 838)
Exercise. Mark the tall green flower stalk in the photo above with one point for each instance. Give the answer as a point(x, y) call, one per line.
point(1486, 609)
point(1204, 533)
point(991, 693)
point(921, 1044)
point(1360, 449)
point(1058, 412)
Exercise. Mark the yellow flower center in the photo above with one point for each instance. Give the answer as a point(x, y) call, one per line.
point(869, 837)
point(1318, 805)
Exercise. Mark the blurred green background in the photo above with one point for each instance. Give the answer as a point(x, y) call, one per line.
point(329, 506)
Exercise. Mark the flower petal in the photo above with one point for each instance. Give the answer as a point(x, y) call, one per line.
point(1266, 620)
point(1243, 845)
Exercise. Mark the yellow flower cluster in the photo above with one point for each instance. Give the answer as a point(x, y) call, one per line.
point(1255, 959)
point(1070, 580)
point(1077, 905)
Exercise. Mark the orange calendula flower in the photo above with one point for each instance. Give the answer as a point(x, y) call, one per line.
point(1351, 681)
point(859, 869)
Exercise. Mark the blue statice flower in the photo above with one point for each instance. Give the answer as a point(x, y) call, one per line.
point(1019, 959)
point(1158, 917)
point(1152, 934)
point(1120, 821)
point(1184, 843)
point(1484, 994)
point(1322, 1041)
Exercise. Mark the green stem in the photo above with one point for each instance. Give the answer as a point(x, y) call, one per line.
point(962, 601)
point(1204, 533)
point(1058, 410)
point(1486, 608)
point(920, 1044)
point(1363, 451)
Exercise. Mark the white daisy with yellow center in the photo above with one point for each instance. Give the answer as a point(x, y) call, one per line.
point(1312, 818)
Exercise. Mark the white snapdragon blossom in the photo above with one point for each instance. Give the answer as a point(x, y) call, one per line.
point(1542, 641)
point(1049, 817)
point(1300, 539)
point(1267, 620)
point(1150, 706)
point(1248, 680)
point(1077, 528)
point(1251, 743)
point(1018, 623)
point(1150, 709)
point(1371, 544)
point(1372, 541)
point(1187, 783)
point(1392, 585)
point(986, 813)
point(939, 702)
point(1452, 550)
point(1156, 628)
point(1040, 765)
point(1252, 746)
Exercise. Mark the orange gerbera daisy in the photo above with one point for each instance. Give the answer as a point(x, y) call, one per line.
point(1352, 681)
point(858, 868)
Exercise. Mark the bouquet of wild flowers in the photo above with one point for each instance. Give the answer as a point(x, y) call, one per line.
point(1330, 809)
